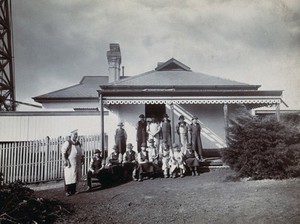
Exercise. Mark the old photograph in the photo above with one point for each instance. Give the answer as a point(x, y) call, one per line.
point(142, 112)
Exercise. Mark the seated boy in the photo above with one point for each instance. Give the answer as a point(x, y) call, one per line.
point(192, 160)
point(114, 164)
point(130, 162)
point(165, 155)
point(95, 168)
point(145, 166)
point(177, 161)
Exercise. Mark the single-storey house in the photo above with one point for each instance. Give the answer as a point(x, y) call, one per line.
point(170, 88)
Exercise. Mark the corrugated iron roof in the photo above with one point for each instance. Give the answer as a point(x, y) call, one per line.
point(175, 78)
point(168, 74)
point(87, 87)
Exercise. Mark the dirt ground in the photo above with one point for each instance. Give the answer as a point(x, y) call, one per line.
point(207, 198)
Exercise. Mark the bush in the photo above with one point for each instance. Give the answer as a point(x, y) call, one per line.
point(18, 205)
point(263, 148)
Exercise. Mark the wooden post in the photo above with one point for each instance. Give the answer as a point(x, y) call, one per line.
point(225, 109)
point(173, 123)
point(102, 125)
point(278, 111)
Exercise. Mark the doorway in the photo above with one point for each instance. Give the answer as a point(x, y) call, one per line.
point(156, 110)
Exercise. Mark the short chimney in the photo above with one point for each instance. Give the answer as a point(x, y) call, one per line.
point(114, 62)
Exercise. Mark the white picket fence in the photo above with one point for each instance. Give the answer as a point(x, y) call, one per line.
point(41, 160)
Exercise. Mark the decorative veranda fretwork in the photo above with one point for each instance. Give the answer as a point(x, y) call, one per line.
point(190, 100)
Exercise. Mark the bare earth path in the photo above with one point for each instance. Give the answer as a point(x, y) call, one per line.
point(203, 199)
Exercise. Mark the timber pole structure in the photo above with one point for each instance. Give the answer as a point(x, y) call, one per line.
point(7, 82)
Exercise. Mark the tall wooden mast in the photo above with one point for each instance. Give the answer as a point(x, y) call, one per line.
point(7, 82)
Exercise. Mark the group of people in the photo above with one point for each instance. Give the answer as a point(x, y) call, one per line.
point(155, 154)
point(132, 165)
point(160, 132)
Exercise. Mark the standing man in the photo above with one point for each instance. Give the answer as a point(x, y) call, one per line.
point(195, 132)
point(182, 130)
point(73, 159)
point(141, 132)
point(153, 130)
point(121, 138)
point(166, 130)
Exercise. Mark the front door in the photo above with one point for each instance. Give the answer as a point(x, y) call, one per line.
point(156, 110)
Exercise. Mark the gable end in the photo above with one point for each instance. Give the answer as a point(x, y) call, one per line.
point(172, 65)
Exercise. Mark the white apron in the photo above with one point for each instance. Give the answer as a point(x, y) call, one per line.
point(72, 174)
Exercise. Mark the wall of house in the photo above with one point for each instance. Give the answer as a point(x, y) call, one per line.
point(211, 118)
point(70, 105)
point(129, 115)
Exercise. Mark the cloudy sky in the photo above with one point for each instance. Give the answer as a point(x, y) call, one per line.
point(56, 42)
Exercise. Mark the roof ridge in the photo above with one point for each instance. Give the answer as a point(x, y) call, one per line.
point(89, 76)
point(130, 78)
point(205, 79)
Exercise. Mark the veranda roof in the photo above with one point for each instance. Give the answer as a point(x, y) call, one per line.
point(197, 97)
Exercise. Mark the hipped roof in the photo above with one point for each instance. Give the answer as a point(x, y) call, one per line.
point(174, 73)
point(87, 88)
point(172, 76)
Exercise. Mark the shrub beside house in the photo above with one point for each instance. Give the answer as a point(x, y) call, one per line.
point(263, 148)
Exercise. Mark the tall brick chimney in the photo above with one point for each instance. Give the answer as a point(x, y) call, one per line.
point(114, 62)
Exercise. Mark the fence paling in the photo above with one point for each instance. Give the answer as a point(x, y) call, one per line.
point(10, 162)
point(27, 161)
point(31, 164)
point(39, 152)
point(36, 161)
point(18, 160)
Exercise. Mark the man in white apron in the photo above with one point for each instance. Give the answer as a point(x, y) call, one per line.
point(73, 159)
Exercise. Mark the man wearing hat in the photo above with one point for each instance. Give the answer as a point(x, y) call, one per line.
point(114, 162)
point(141, 132)
point(182, 130)
point(153, 130)
point(195, 133)
point(130, 162)
point(121, 138)
point(115, 158)
point(73, 160)
point(95, 169)
point(166, 129)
